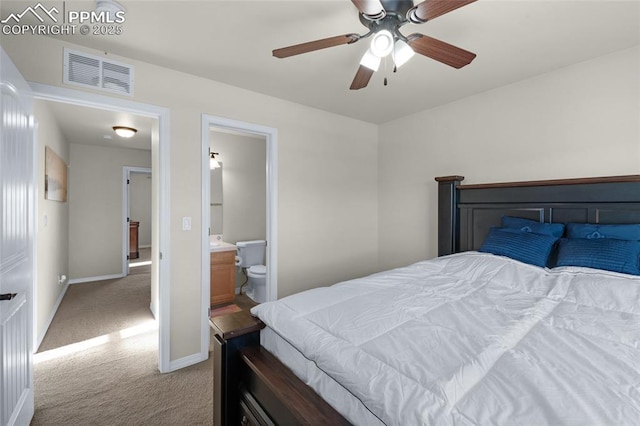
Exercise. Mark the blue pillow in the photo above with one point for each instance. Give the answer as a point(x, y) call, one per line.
point(528, 225)
point(592, 231)
point(527, 247)
point(601, 253)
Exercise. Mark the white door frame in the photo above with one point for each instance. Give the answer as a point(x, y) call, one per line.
point(271, 136)
point(92, 100)
point(126, 211)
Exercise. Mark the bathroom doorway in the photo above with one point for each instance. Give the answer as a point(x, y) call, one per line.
point(253, 210)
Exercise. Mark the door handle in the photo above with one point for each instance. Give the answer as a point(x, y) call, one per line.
point(8, 296)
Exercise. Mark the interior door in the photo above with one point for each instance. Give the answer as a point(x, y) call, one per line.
point(17, 198)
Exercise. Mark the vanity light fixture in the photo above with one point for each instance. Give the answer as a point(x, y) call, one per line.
point(213, 163)
point(125, 132)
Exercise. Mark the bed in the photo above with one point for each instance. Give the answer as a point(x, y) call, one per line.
point(471, 337)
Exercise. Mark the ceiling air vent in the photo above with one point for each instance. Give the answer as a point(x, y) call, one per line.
point(96, 72)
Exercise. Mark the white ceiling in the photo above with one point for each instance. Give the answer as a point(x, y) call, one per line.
point(91, 126)
point(231, 42)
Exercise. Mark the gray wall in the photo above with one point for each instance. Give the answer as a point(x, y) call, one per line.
point(244, 185)
point(327, 207)
point(354, 196)
point(95, 208)
point(140, 205)
point(578, 121)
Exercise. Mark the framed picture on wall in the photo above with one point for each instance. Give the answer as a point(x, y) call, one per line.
point(55, 176)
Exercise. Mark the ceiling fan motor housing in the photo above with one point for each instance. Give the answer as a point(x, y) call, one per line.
point(400, 7)
point(393, 16)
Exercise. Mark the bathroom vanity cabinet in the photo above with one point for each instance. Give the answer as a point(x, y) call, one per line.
point(223, 276)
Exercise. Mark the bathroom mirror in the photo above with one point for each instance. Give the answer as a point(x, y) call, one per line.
point(216, 200)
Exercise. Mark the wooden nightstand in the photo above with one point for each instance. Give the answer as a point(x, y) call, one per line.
point(232, 332)
point(251, 387)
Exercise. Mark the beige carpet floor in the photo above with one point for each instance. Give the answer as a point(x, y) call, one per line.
point(97, 364)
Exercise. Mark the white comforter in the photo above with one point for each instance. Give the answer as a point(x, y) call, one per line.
point(474, 338)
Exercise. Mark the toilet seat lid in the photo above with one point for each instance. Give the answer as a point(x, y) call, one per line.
point(258, 270)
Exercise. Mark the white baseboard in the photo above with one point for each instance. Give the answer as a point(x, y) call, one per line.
point(50, 319)
point(100, 278)
point(186, 361)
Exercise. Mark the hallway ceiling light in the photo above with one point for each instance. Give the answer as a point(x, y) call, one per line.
point(213, 163)
point(125, 132)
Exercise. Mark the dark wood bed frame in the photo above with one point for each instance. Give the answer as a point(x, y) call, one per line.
point(467, 212)
point(253, 387)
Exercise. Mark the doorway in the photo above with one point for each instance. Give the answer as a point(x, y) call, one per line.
point(160, 290)
point(136, 210)
point(137, 222)
point(269, 134)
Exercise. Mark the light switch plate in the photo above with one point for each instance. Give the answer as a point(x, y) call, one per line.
point(186, 223)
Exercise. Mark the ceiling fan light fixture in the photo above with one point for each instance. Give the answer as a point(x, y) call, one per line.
point(370, 60)
point(402, 52)
point(125, 132)
point(382, 43)
point(383, 20)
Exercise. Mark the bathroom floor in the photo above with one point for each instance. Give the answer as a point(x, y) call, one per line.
point(242, 301)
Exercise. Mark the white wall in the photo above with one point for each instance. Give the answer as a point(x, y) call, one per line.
point(53, 224)
point(140, 205)
point(578, 121)
point(327, 173)
point(95, 208)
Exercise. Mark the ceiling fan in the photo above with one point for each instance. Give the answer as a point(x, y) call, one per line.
point(384, 18)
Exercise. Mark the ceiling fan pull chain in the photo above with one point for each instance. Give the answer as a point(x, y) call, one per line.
point(386, 70)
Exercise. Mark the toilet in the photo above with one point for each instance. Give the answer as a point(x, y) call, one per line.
point(251, 257)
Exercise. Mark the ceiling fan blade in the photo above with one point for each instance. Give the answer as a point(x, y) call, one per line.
point(362, 78)
point(430, 9)
point(372, 8)
point(310, 46)
point(440, 51)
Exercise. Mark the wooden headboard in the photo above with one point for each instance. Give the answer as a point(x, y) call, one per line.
point(467, 212)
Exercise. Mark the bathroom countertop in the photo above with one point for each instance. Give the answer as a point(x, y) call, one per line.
point(222, 246)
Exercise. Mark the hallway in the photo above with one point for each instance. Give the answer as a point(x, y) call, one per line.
point(98, 362)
